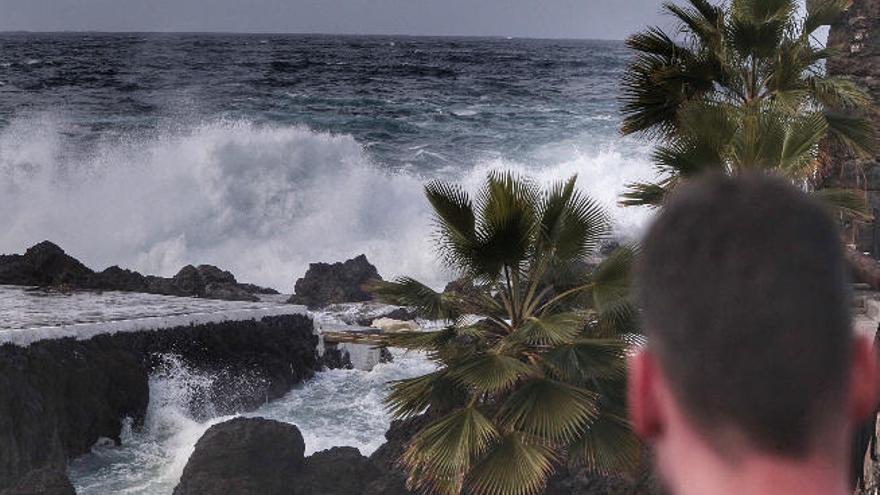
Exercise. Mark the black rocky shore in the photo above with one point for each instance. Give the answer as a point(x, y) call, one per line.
point(47, 265)
point(60, 397)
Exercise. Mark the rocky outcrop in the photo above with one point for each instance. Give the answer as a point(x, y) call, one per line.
point(42, 264)
point(46, 264)
point(256, 456)
point(61, 396)
point(46, 481)
point(245, 456)
point(326, 283)
point(337, 471)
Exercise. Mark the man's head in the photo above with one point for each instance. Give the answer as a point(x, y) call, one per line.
point(746, 306)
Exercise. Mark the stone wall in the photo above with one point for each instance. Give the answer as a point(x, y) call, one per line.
point(856, 40)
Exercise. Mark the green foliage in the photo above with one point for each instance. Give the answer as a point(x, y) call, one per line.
point(532, 363)
point(741, 85)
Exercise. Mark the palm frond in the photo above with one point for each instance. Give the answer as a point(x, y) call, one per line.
point(608, 446)
point(491, 372)
point(586, 359)
point(645, 194)
point(822, 13)
point(549, 330)
point(506, 223)
point(855, 132)
point(549, 409)
point(514, 466)
point(801, 145)
point(571, 225)
point(406, 291)
point(442, 453)
point(839, 93)
point(846, 202)
point(612, 278)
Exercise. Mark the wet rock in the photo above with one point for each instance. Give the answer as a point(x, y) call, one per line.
point(336, 358)
point(245, 456)
point(46, 481)
point(47, 265)
point(393, 479)
point(43, 264)
point(210, 274)
point(189, 281)
point(228, 292)
point(326, 283)
point(116, 278)
point(256, 289)
point(337, 471)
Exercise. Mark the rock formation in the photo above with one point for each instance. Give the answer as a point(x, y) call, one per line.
point(326, 283)
point(46, 264)
point(245, 456)
point(256, 456)
point(47, 481)
point(61, 396)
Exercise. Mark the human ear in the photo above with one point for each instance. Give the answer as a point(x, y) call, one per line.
point(644, 414)
point(863, 383)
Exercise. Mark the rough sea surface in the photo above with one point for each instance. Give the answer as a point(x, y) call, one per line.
point(262, 153)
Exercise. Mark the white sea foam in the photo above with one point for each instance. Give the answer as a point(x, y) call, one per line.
point(339, 407)
point(262, 201)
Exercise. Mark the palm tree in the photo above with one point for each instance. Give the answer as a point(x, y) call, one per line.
point(531, 366)
point(741, 85)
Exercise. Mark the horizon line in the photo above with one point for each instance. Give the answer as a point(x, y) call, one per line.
point(295, 33)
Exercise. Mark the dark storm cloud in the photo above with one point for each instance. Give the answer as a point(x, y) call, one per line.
point(610, 19)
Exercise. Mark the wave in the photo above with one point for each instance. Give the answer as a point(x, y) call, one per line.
point(336, 407)
point(262, 201)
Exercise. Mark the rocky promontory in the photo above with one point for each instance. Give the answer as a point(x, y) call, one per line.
point(47, 265)
point(326, 283)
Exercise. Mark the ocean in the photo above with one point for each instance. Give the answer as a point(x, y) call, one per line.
point(263, 153)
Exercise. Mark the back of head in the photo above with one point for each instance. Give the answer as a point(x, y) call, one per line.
point(746, 307)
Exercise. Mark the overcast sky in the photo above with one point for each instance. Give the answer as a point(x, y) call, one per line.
point(605, 19)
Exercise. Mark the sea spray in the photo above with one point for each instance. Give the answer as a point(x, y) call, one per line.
point(337, 407)
point(262, 201)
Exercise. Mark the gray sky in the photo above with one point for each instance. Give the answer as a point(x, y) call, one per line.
point(607, 19)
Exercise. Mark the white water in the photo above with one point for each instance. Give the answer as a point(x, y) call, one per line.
point(260, 201)
point(338, 407)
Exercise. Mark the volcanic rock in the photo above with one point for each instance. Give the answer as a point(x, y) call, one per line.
point(337, 471)
point(326, 283)
point(46, 481)
point(43, 264)
point(47, 265)
point(245, 456)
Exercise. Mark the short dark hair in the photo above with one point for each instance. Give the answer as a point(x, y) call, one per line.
point(746, 305)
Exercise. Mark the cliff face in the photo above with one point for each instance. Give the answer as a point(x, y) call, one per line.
point(58, 397)
point(856, 39)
